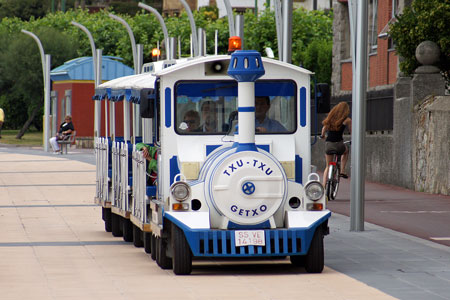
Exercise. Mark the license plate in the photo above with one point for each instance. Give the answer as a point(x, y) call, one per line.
point(249, 237)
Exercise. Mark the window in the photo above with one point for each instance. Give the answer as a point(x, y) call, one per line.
point(373, 29)
point(210, 107)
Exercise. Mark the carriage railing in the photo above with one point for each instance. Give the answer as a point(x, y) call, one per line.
point(123, 185)
point(104, 172)
point(139, 186)
point(98, 169)
point(115, 191)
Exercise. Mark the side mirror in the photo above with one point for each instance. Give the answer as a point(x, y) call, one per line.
point(147, 105)
point(323, 98)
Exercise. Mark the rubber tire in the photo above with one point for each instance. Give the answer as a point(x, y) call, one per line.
point(162, 260)
point(328, 187)
point(147, 242)
point(314, 260)
point(182, 255)
point(153, 246)
point(106, 216)
point(137, 237)
point(116, 229)
point(298, 260)
point(335, 187)
point(127, 230)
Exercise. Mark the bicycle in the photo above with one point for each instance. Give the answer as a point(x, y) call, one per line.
point(333, 176)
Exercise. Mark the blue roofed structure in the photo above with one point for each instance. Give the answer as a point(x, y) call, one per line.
point(82, 68)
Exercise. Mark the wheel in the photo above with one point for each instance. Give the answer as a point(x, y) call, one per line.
point(298, 260)
point(116, 229)
point(106, 216)
point(161, 254)
point(147, 242)
point(153, 246)
point(127, 230)
point(137, 237)
point(182, 255)
point(314, 259)
point(335, 187)
point(328, 185)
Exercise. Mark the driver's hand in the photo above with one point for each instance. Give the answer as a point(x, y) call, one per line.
point(261, 129)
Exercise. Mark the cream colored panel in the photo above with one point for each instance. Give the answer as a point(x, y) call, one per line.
point(190, 170)
point(289, 168)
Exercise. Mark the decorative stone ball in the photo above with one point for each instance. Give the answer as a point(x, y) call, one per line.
point(427, 53)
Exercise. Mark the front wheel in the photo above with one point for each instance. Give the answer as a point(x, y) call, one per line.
point(314, 260)
point(182, 256)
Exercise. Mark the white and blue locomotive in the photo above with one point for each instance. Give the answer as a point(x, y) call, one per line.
point(232, 186)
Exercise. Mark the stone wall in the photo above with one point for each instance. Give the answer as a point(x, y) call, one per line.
point(431, 156)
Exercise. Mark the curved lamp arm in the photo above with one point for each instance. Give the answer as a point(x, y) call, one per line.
point(130, 33)
point(41, 49)
point(193, 28)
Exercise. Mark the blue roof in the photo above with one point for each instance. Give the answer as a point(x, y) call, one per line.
point(82, 68)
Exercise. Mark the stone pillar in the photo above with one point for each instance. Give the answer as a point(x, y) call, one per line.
point(427, 79)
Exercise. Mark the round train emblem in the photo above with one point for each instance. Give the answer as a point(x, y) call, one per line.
point(255, 180)
point(248, 188)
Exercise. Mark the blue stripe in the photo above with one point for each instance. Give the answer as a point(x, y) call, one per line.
point(174, 170)
point(168, 108)
point(246, 109)
point(298, 169)
point(303, 106)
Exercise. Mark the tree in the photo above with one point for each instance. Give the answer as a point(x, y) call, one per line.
point(423, 20)
point(22, 71)
point(23, 9)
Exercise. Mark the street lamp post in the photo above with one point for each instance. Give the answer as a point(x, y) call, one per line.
point(97, 108)
point(126, 107)
point(46, 63)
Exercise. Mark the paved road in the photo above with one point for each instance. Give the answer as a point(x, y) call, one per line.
point(422, 215)
point(53, 246)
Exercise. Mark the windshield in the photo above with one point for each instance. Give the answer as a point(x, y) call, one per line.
point(210, 107)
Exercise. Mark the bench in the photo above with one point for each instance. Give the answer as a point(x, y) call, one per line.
point(64, 144)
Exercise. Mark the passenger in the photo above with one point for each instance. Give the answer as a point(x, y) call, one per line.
point(264, 124)
point(151, 155)
point(192, 121)
point(334, 126)
point(65, 130)
point(209, 117)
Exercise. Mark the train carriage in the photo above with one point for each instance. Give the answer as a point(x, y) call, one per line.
point(239, 184)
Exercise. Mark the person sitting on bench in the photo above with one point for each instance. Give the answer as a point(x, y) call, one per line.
point(65, 130)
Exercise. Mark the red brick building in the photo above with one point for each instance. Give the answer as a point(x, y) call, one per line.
point(382, 58)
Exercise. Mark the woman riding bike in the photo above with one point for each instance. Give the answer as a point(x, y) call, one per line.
point(334, 126)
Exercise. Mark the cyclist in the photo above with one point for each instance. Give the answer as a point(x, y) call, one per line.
point(334, 126)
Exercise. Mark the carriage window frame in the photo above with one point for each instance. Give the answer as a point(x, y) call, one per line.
point(222, 133)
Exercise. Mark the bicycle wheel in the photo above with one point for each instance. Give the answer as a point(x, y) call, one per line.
point(329, 184)
point(335, 183)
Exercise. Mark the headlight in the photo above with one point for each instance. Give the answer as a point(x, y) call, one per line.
point(180, 191)
point(314, 191)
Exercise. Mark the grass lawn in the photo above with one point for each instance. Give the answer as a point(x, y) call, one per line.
point(33, 138)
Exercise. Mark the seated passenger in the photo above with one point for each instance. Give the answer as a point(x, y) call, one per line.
point(192, 122)
point(151, 155)
point(209, 117)
point(264, 124)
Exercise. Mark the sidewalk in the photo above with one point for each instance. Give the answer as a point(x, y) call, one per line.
point(54, 247)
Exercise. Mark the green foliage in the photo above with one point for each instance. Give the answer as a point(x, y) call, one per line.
point(23, 9)
point(317, 57)
point(423, 20)
point(21, 69)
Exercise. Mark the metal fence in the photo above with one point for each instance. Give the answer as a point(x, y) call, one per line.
point(379, 111)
